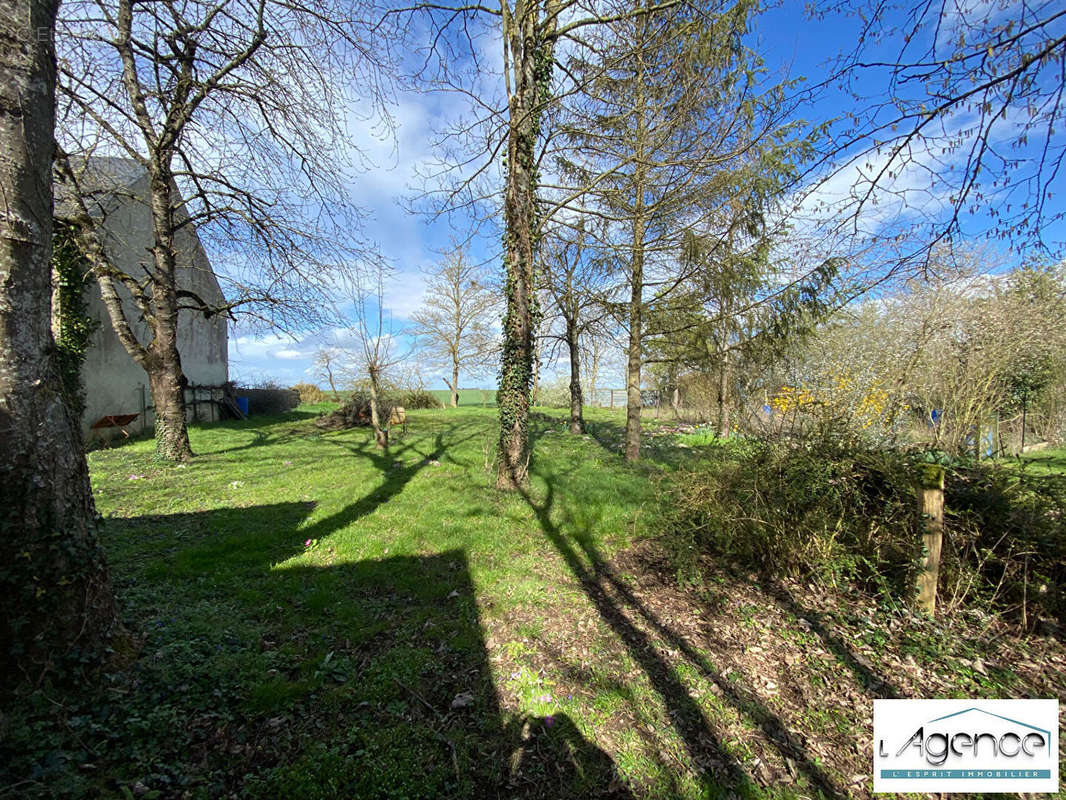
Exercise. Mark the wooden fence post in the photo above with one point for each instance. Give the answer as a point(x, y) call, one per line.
point(931, 498)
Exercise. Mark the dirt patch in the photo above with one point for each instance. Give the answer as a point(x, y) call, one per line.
point(741, 681)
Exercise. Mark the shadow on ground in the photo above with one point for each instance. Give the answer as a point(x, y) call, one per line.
point(266, 674)
point(657, 446)
point(648, 639)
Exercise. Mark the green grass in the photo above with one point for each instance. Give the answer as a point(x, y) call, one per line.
point(1047, 462)
point(312, 608)
point(468, 398)
point(314, 618)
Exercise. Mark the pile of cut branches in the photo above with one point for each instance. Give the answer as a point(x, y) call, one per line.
point(356, 414)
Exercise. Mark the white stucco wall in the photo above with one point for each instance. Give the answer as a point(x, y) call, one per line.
point(114, 383)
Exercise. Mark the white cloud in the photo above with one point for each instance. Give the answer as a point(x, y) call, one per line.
point(405, 294)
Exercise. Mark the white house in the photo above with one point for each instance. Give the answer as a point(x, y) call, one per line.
point(118, 194)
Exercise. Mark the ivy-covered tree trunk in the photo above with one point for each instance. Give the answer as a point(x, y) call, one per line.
point(528, 43)
point(55, 595)
point(72, 325)
point(516, 371)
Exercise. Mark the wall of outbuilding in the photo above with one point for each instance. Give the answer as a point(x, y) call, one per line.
point(114, 383)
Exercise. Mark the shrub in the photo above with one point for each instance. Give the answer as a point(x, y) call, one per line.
point(1006, 542)
point(416, 398)
point(263, 382)
point(846, 515)
point(800, 509)
point(553, 394)
point(309, 393)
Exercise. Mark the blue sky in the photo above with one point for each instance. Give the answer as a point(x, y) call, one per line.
point(787, 39)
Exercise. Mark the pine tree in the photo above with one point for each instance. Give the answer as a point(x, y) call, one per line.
point(670, 141)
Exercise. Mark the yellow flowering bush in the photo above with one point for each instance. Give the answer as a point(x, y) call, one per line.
point(844, 398)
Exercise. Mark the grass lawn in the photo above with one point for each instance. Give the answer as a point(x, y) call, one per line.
point(317, 619)
point(1047, 462)
point(468, 398)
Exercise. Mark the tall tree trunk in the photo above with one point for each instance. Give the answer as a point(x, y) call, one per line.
point(636, 297)
point(455, 382)
point(633, 355)
point(531, 55)
point(594, 372)
point(577, 420)
point(636, 308)
point(534, 392)
point(165, 377)
point(167, 385)
point(723, 399)
point(55, 593)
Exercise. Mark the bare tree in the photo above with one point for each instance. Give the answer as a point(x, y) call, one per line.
point(377, 348)
point(958, 121)
point(55, 590)
point(529, 36)
point(531, 30)
point(235, 109)
point(575, 281)
point(327, 364)
point(455, 322)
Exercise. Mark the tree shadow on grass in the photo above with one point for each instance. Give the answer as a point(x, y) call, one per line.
point(313, 676)
point(864, 672)
point(262, 433)
point(409, 692)
point(268, 429)
point(222, 536)
point(644, 636)
point(610, 436)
